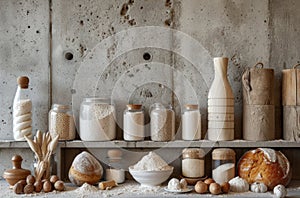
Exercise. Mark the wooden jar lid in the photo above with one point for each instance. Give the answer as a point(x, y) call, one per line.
point(134, 106)
point(223, 154)
point(23, 82)
point(191, 106)
point(193, 153)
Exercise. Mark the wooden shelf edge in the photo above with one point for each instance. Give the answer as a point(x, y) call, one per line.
point(152, 144)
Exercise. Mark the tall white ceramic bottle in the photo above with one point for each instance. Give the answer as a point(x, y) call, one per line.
point(220, 104)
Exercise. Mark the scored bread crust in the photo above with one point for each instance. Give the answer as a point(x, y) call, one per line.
point(79, 178)
point(256, 166)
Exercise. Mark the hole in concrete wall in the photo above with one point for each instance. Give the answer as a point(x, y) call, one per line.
point(69, 56)
point(146, 56)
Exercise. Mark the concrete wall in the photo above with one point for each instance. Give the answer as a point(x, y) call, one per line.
point(66, 64)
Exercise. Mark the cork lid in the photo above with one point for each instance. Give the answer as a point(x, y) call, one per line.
point(134, 106)
point(23, 82)
point(223, 154)
point(191, 106)
point(193, 153)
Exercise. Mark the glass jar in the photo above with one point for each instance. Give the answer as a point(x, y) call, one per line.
point(193, 163)
point(191, 122)
point(162, 122)
point(61, 122)
point(51, 171)
point(223, 165)
point(133, 123)
point(115, 171)
point(22, 107)
point(97, 119)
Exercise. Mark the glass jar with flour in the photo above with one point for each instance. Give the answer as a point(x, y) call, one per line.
point(191, 122)
point(97, 119)
point(193, 162)
point(223, 165)
point(133, 123)
point(162, 124)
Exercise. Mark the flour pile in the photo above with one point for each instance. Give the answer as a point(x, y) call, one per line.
point(151, 162)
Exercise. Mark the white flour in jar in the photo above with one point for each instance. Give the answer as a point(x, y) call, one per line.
point(99, 124)
point(151, 162)
point(191, 125)
point(134, 126)
point(22, 119)
point(118, 175)
point(162, 125)
point(224, 173)
point(193, 168)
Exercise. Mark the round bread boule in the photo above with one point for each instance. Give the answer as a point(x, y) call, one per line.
point(85, 169)
point(266, 166)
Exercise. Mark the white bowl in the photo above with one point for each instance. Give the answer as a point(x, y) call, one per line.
point(151, 178)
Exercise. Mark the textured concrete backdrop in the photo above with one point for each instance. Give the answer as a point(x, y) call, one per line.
point(48, 39)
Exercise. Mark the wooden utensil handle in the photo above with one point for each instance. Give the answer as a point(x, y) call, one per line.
point(107, 185)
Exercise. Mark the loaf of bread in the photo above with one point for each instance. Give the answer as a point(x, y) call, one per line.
point(85, 169)
point(266, 166)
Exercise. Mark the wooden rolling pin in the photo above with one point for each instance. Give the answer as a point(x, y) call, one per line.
point(107, 185)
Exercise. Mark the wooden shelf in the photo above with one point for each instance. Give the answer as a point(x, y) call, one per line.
point(151, 144)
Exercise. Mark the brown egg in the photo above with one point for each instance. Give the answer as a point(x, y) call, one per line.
point(23, 182)
point(208, 181)
point(59, 185)
point(30, 179)
point(201, 187)
point(215, 188)
point(18, 188)
point(28, 189)
point(47, 186)
point(53, 179)
point(38, 186)
point(225, 187)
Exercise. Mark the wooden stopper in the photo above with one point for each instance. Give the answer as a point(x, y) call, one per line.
point(106, 185)
point(23, 82)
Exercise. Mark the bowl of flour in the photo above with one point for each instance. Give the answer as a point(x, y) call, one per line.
point(151, 170)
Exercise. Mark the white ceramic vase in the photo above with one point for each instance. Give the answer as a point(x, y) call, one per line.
point(220, 104)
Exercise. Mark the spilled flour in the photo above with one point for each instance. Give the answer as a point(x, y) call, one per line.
point(86, 188)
